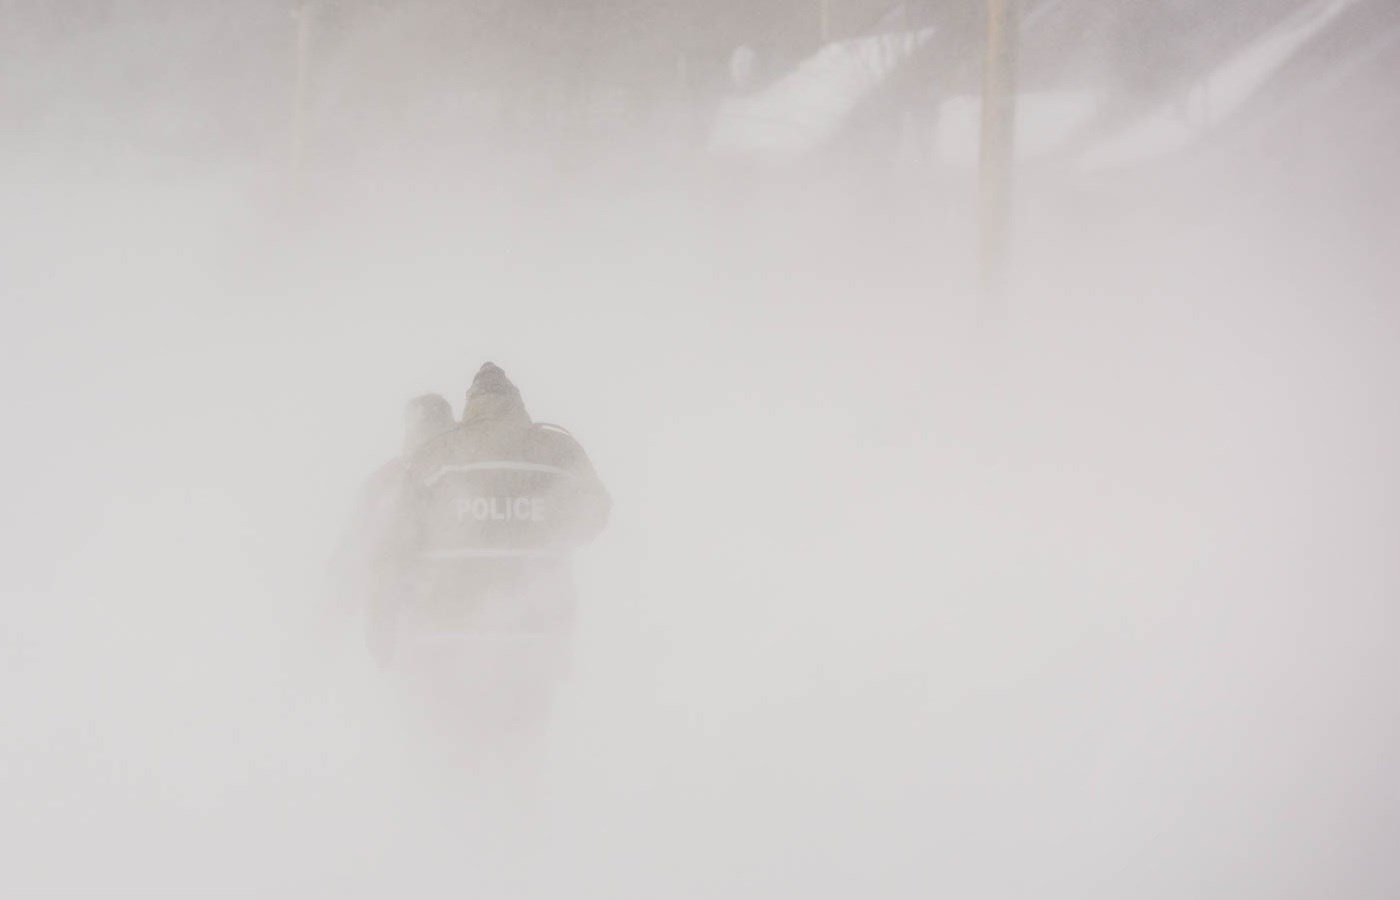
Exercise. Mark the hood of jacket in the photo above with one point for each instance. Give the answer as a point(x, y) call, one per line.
point(494, 398)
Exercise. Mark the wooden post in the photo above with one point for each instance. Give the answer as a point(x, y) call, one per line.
point(998, 148)
point(305, 15)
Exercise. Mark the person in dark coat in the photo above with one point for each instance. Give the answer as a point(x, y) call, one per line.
point(492, 512)
point(369, 561)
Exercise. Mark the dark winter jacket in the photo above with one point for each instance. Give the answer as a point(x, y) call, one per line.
point(492, 511)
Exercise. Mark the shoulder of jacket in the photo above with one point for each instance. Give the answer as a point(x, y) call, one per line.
point(545, 434)
point(436, 452)
point(550, 428)
point(553, 445)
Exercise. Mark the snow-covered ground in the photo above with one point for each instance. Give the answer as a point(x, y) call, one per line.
point(805, 108)
point(1219, 94)
point(1093, 601)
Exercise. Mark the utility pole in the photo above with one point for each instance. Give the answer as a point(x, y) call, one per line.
point(305, 14)
point(998, 148)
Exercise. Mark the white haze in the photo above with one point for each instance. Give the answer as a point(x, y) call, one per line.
point(1093, 597)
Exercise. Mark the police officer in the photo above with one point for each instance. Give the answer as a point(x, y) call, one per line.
point(493, 510)
point(369, 562)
